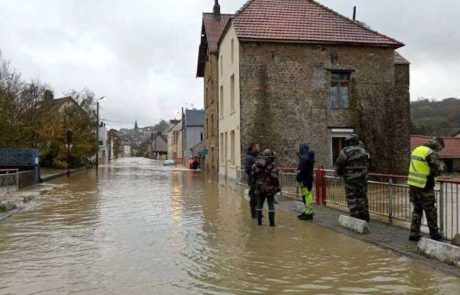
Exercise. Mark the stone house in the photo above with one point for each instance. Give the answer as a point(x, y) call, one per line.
point(213, 25)
point(293, 71)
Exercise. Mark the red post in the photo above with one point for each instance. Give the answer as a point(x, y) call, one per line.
point(323, 197)
point(318, 185)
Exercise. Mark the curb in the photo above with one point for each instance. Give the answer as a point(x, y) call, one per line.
point(354, 224)
point(444, 252)
point(61, 174)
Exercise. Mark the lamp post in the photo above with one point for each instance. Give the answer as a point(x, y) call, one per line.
point(69, 146)
point(97, 131)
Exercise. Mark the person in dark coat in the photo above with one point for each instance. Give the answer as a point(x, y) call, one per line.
point(305, 179)
point(267, 184)
point(251, 156)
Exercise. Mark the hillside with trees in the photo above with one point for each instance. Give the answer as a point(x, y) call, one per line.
point(437, 118)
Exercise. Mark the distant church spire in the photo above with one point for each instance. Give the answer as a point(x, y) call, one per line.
point(135, 125)
point(216, 9)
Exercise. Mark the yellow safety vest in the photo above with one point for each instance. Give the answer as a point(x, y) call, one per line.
point(419, 168)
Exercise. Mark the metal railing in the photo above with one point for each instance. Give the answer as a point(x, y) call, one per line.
point(448, 207)
point(388, 197)
point(9, 181)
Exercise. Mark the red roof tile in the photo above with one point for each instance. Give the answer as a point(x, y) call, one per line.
point(302, 21)
point(214, 27)
point(450, 151)
point(211, 31)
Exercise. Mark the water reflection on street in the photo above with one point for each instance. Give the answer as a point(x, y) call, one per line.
point(140, 228)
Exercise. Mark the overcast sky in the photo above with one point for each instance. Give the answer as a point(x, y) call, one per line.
point(142, 54)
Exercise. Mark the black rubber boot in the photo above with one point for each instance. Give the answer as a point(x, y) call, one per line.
point(301, 215)
point(259, 217)
point(414, 237)
point(436, 236)
point(252, 204)
point(271, 218)
point(306, 217)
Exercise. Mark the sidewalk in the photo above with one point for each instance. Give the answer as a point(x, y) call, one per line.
point(50, 174)
point(384, 235)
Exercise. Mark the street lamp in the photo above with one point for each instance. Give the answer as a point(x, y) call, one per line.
point(69, 147)
point(97, 131)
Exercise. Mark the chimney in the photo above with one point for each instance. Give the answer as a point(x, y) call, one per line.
point(216, 9)
point(354, 13)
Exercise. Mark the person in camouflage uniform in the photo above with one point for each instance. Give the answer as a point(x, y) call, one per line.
point(251, 156)
point(352, 165)
point(424, 167)
point(267, 184)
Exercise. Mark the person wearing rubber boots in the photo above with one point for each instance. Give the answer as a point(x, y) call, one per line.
point(251, 156)
point(352, 165)
point(305, 179)
point(267, 184)
point(424, 167)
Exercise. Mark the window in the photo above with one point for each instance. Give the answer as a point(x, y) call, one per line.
point(201, 136)
point(225, 146)
point(233, 51)
point(221, 145)
point(207, 128)
point(221, 102)
point(340, 90)
point(221, 66)
point(232, 147)
point(212, 156)
point(206, 96)
point(232, 93)
point(212, 124)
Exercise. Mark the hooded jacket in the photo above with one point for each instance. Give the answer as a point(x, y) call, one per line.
point(306, 166)
point(250, 161)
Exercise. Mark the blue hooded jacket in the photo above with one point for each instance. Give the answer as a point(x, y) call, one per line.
point(306, 166)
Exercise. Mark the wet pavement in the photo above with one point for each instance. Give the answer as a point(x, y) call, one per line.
point(140, 228)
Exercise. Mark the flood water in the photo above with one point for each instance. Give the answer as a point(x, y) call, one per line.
point(139, 228)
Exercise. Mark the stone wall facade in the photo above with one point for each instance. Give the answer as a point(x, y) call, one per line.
point(285, 91)
point(211, 122)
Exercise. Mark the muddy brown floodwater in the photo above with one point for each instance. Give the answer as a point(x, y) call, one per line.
point(140, 228)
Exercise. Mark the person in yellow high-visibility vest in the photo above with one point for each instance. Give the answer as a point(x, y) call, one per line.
point(424, 167)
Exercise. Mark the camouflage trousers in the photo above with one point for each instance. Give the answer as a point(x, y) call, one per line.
point(423, 201)
point(356, 194)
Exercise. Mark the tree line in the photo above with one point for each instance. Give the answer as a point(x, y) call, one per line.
point(436, 118)
point(31, 117)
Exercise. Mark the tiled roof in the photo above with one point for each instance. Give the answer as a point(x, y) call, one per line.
point(194, 118)
point(302, 21)
point(400, 60)
point(214, 28)
point(211, 31)
point(450, 151)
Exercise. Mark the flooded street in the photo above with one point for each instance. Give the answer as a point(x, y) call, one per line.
point(140, 228)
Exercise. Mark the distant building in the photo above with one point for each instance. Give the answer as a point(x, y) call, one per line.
point(159, 146)
point(193, 130)
point(450, 154)
point(175, 143)
point(102, 145)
